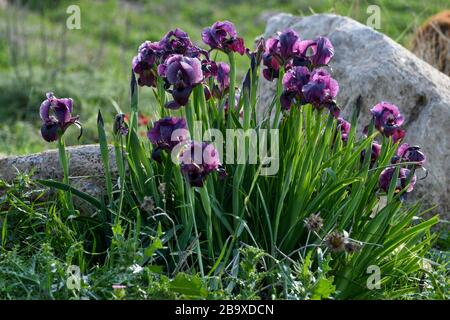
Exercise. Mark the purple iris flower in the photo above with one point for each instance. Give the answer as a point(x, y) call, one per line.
point(222, 35)
point(166, 134)
point(321, 88)
point(176, 42)
point(403, 176)
point(319, 51)
point(56, 116)
point(374, 154)
point(284, 46)
point(334, 109)
point(143, 64)
point(293, 82)
point(345, 127)
point(183, 73)
point(198, 160)
point(209, 68)
point(272, 70)
point(278, 52)
point(388, 120)
point(120, 127)
point(223, 76)
point(407, 153)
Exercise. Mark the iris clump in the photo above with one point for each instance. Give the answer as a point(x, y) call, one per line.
point(212, 210)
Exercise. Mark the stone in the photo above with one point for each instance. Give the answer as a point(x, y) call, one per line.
point(85, 170)
point(370, 67)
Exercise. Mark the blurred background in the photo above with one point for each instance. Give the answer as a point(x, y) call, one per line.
point(38, 53)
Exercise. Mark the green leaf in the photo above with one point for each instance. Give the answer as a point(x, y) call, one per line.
point(323, 289)
point(156, 244)
point(189, 286)
point(104, 151)
point(64, 187)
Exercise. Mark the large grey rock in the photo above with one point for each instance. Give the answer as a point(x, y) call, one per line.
point(370, 67)
point(85, 169)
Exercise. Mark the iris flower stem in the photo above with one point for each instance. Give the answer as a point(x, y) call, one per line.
point(232, 92)
point(119, 154)
point(191, 199)
point(65, 166)
point(278, 102)
point(190, 117)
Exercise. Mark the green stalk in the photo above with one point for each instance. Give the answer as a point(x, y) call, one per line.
point(119, 154)
point(232, 92)
point(190, 117)
point(191, 199)
point(104, 151)
point(63, 158)
point(204, 196)
point(278, 102)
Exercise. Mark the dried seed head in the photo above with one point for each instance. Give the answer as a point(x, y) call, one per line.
point(352, 247)
point(314, 222)
point(335, 241)
point(148, 205)
point(162, 188)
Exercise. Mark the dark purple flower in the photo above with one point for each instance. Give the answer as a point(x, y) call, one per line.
point(334, 109)
point(321, 88)
point(403, 176)
point(56, 115)
point(293, 82)
point(407, 153)
point(319, 51)
point(176, 42)
point(209, 68)
point(284, 46)
point(222, 35)
point(168, 132)
point(144, 63)
point(388, 120)
point(223, 76)
point(278, 52)
point(120, 127)
point(183, 73)
point(344, 126)
point(197, 160)
point(375, 153)
point(272, 70)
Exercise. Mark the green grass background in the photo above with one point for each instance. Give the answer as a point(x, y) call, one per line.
point(92, 65)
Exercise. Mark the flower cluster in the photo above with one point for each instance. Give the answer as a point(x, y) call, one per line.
point(388, 120)
point(305, 80)
point(182, 65)
point(197, 159)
